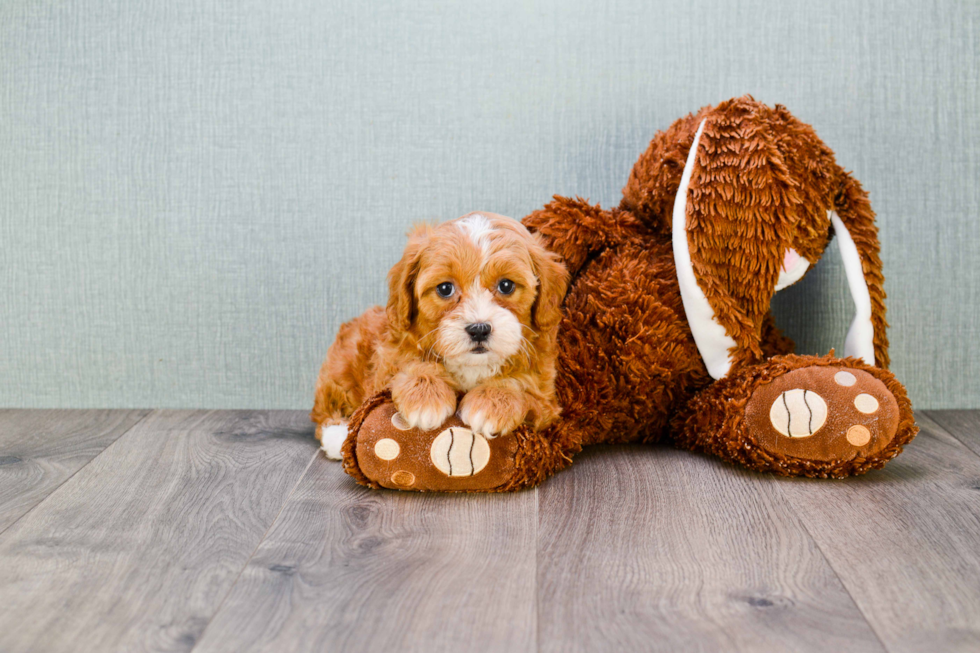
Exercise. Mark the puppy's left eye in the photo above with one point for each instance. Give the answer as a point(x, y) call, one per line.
point(505, 286)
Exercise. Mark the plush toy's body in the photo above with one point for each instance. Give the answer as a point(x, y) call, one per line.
point(667, 331)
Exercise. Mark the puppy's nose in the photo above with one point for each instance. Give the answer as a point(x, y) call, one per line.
point(479, 331)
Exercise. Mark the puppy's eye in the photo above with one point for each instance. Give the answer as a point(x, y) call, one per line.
point(505, 286)
point(445, 290)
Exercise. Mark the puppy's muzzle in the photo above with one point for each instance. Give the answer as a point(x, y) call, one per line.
point(479, 332)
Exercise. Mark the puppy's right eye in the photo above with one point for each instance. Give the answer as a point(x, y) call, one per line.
point(445, 290)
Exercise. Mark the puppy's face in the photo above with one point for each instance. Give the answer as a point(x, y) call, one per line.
point(474, 293)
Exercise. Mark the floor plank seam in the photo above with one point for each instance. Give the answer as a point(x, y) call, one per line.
point(830, 564)
point(73, 474)
point(231, 588)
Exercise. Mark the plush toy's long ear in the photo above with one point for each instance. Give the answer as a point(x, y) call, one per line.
point(757, 186)
point(857, 238)
point(734, 211)
point(401, 280)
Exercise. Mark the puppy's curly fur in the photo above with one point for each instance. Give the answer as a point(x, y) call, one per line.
point(480, 269)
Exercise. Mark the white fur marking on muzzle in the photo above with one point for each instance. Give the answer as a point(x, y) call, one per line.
point(468, 368)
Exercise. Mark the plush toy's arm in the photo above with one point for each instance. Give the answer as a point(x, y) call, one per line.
point(576, 230)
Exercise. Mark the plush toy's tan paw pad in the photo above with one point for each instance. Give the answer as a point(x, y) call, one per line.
point(798, 413)
point(823, 413)
point(458, 451)
point(445, 459)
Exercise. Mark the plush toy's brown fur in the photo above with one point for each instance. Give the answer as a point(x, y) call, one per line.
point(628, 367)
point(765, 182)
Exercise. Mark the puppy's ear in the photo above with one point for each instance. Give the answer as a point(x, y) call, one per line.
point(552, 285)
point(401, 279)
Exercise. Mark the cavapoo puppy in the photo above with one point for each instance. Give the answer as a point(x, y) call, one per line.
point(471, 324)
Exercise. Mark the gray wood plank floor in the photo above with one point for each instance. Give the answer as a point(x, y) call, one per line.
point(354, 570)
point(40, 449)
point(137, 550)
point(227, 531)
point(663, 550)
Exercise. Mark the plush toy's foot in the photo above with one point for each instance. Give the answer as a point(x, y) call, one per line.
point(382, 451)
point(802, 416)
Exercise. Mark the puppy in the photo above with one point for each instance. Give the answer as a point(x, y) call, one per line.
point(473, 310)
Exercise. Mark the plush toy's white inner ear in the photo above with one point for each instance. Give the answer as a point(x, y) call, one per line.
point(794, 267)
point(860, 341)
point(714, 343)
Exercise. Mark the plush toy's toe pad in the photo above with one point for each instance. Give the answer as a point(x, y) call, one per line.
point(448, 458)
point(823, 413)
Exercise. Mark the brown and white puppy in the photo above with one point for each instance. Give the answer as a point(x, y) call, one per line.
point(473, 310)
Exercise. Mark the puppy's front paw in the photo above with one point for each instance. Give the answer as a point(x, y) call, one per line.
point(492, 411)
point(426, 418)
point(424, 403)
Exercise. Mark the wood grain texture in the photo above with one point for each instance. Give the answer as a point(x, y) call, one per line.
point(136, 551)
point(351, 569)
point(40, 449)
point(655, 549)
point(964, 425)
point(200, 531)
point(905, 540)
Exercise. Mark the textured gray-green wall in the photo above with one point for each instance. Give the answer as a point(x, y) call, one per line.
point(195, 193)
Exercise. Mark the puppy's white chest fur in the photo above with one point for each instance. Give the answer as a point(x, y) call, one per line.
point(468, 373)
